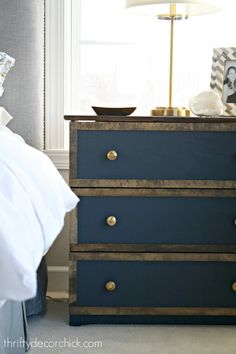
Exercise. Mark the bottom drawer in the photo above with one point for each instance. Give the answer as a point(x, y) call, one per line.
point(103, 283)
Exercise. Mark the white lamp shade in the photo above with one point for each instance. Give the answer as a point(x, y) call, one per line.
point(184, 7)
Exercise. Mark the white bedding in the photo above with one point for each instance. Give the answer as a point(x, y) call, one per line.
point(5, 117)
point(2, 302)
point(33, 201)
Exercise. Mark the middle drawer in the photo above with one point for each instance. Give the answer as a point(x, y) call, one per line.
point(156, 220)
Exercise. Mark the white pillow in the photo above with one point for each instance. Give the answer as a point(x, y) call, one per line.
point(5, 117)
point(6, 62)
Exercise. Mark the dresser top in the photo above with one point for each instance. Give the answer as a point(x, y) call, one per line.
point(151, 123)
point(149, 119)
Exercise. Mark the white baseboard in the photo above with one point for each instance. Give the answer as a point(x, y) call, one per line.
point(58, 281)
point(58, 269)
point(60, 158)
point(58, 295)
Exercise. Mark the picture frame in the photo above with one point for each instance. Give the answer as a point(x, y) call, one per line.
point(223, 78)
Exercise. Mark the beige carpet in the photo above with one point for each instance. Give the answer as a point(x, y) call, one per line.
point(52, 334)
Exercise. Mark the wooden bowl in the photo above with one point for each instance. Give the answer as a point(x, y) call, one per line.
point(113, 111)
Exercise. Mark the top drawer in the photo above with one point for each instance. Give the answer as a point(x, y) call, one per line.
point(151, 155)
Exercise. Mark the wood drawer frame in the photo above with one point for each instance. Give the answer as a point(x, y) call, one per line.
point(76, 247)
point(193, 125)
point(161, 311)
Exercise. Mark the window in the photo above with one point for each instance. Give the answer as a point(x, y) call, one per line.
point(114, 58)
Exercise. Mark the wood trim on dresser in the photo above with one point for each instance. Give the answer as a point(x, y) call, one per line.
point(119, 247)
point(73, 152)
point(156, 126)
point(144, 119)
point(137, 183)
point(153, 311)
point(72, 281)
point(149, 192)
point(73, 226)
point(157, 257)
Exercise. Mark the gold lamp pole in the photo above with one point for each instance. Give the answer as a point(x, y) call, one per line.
point(171, 59)
point(170, 110)
point(172, 10)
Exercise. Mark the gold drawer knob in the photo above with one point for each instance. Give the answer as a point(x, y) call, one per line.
point(111, 221)
point(110, 286)
point(112, 155)
point(234, 286)
point(235, 222)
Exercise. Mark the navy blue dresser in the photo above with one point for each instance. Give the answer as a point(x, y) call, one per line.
point(153, 239)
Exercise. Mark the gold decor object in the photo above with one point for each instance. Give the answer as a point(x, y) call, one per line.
point(111, 221)
point(234, 286)
point(235, 222)
point(172, 10)
point(110, 286)
point(170, 111)
point(112, 155)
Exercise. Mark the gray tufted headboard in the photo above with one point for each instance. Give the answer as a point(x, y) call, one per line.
point(22, 37)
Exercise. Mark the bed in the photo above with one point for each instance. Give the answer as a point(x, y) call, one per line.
point(34, 199)
point(22, 38)
point(13, 328)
